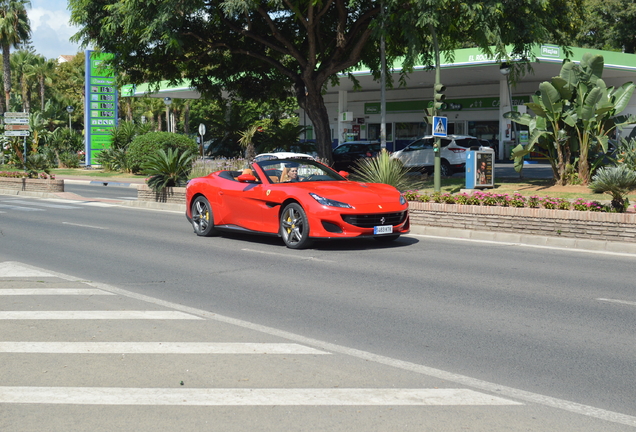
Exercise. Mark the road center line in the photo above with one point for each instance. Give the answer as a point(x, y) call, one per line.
point(52, 291)
point(96, 315)
point(84, 226)
point(287, 256)
point(156, 348)
point(247, 396)
point(626, 302)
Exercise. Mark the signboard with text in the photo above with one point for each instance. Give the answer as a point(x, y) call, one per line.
point(100, 110)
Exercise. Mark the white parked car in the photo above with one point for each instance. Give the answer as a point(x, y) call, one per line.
point(420, 155)
point(282, 155)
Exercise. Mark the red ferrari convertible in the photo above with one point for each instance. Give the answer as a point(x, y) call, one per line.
point(297, 199)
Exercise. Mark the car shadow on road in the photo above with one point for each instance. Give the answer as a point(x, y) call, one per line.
point(326, 245)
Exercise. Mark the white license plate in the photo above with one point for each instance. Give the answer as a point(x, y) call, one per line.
point(383, 229)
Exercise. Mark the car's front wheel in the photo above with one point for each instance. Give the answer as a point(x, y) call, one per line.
point(202, 218)
point(294, 227)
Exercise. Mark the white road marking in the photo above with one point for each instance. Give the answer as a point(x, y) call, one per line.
point(626, 302)
point(13, 269)
point(52, 291)
point(505, 391)
point(84, 226)
point(289, 256)
point(96, 315)
point(155, 348)
point(464, 380)
point(41, 204)
point(99, 204)
point(18, 208)
point(247, 396)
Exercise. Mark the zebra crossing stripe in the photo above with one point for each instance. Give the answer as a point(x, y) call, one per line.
point(96, 315)
point(52, 291)
point(155, 348)
point(247, 396)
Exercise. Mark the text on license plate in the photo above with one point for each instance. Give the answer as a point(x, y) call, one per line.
point(383, 229)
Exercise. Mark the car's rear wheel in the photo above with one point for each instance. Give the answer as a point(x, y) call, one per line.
point(294, 227)
point(388, 238)
point(445, 169)
point(202, 218)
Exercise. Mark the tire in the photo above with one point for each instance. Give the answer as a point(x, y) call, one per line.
point(445, 169)
point(294, 227)
point(202, 218)
point(387, 239)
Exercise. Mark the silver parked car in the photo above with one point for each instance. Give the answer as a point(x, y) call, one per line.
point(420, 155)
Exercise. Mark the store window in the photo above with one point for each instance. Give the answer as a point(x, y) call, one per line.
point(410, 131)
point(488, 130)
point(374, 132)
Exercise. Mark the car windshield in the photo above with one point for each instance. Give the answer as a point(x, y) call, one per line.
point(297, 170)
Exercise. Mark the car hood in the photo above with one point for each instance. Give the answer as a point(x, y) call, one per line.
point(356, 194)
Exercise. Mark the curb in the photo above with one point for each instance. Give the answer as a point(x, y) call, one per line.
point(97, 182)
point(526, 239)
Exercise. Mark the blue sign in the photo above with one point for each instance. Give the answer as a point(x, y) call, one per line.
point(440, 126)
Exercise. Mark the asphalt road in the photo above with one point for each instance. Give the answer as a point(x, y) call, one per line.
point(554, 323)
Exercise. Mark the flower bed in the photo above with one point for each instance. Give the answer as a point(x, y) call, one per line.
point(516, 200)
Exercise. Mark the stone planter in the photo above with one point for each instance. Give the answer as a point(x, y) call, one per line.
point(556, 223)
point(170, 195)
point(31, 185)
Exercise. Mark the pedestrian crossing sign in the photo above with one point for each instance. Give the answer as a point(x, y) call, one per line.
point(440, 126)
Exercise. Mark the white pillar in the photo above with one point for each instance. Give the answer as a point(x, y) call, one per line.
point(342, 107)
point(505, 126)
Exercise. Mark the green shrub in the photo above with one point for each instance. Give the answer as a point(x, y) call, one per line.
point(113, 159)
point(384, 169)
point(69, 160)
point(144, 147)
point(168, 169)
point(617, 182)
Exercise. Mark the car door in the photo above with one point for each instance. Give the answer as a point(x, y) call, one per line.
point(244, 202)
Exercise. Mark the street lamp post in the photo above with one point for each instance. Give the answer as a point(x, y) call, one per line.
point(168, 101)
point(69, 110)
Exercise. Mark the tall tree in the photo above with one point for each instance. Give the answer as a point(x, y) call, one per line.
point(609, 25)
point(269, 48)
point(22, 62)
point(43, 71)
point(14, 30)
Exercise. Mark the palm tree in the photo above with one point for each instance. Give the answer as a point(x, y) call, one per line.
point(14, 29)
point(22, 65)
point(43, 70)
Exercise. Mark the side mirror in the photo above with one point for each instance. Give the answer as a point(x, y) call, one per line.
point(246, 178)
point(344, 174)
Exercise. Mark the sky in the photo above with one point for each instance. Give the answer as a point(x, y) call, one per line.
point(50, 29)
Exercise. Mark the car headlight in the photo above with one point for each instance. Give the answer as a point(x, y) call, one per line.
point(402, 199)
point(329, 202)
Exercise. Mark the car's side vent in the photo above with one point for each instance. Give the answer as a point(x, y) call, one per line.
point(331, 227)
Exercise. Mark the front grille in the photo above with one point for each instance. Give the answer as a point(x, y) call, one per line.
point(371, 220)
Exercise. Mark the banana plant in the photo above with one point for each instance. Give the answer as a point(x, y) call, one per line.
point(574, 112)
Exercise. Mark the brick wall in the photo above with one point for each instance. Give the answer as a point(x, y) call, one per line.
point(173, 195)
point(557, 223)
point(31, 185)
